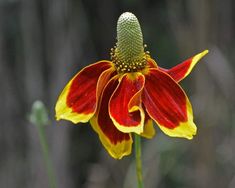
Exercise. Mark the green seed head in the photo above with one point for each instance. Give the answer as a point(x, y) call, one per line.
point(129, 55)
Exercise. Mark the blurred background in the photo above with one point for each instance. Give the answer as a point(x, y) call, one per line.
point(43, 43)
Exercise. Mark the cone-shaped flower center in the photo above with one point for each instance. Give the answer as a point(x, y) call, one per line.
point(128, 55)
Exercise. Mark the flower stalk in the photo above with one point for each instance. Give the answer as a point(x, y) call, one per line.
point(138, 161)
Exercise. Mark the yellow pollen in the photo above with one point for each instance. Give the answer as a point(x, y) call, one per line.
point(129, 65)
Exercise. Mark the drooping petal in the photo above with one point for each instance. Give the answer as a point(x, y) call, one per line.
point(125, 104)
point(185, 129)
point(149, 130)
point(117, 143)
point(168, 105)
point(78, 100)
point(180, 71)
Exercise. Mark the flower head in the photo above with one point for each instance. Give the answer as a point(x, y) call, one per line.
point(125, 95)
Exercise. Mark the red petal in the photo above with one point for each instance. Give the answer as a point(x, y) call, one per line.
point(78, 100)
point(118, 144)
point(125, 105)
point(168, 105)
point(179, 72)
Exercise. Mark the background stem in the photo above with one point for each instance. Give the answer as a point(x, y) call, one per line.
point(45, 150)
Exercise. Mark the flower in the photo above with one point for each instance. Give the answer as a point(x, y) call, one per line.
point(125, 95)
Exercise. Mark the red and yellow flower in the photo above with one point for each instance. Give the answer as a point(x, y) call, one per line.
point(125, 95)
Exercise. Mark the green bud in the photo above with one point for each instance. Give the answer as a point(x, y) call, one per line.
point(39, 114)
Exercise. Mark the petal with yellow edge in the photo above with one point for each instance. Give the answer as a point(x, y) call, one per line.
point(149, 130)
point(117, 143)
point(167, 104)
point(78, 100)
point(179, 72)
point(125, 104)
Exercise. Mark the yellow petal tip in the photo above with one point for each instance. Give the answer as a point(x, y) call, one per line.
point(205, 52)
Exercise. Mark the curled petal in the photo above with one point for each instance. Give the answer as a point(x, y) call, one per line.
point(117, 143)
point(78, 100)
point(151, 63)
point(179, 72)
point(167, 104)
point(125, 104)
point(149, 130)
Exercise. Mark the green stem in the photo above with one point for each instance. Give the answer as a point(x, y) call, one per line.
point(138, 161)
point(48, 163)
